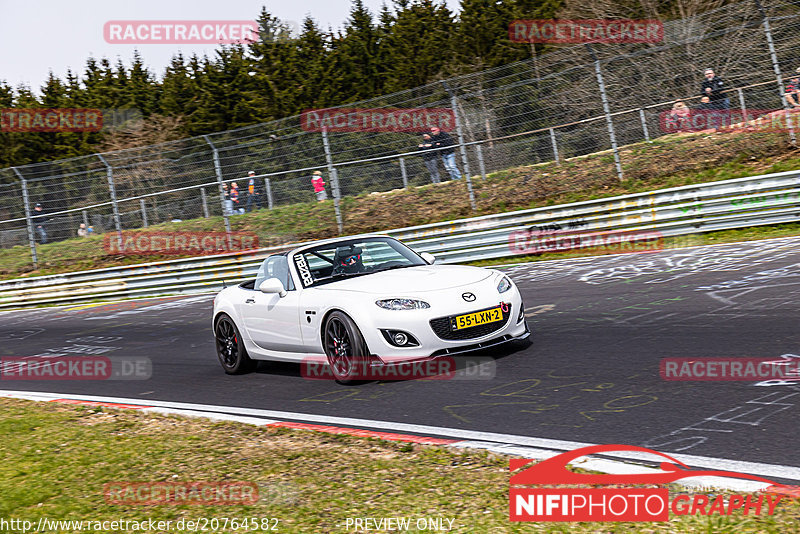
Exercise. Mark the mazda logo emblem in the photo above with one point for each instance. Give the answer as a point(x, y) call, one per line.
point(469, 297)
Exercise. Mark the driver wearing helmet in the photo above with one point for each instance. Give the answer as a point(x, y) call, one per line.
point(348, 260)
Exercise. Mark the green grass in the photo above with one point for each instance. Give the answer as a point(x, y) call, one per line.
point(56, 459)
point(671, 161)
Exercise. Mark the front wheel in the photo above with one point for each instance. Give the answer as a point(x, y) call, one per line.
point(345, 349)
point(230, 347)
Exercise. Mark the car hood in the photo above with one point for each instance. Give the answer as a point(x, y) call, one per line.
point(412, 280)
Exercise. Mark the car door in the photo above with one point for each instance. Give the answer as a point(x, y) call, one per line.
point(272, 321)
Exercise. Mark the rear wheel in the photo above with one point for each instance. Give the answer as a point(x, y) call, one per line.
point(345, 349)
point(230, 347)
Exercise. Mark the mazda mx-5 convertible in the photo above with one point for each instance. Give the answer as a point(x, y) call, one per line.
point(363, 299)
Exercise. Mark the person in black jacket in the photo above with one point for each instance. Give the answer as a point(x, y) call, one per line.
point(430, 157)
point(442, 140)
point(793, 90)
point(38, 223)
point(714, 88)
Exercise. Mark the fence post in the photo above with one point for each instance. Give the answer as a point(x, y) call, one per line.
point(481, 164)
point(460, 132)
point(268, 186)
point(606, 110)
point(403, 172)
point(28, 220)
point(743, 106)
point(144, 213)
point(205, 201)
point(777, 68)
point(85, 218)
point(555, 145)
point(644, 125)
point(334, 178)
point(113, 191)
point(218, 171)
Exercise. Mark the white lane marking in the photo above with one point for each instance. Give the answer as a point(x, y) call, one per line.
point(66, 307)
point(765, 470)
point(170, 304)
point(536, 310)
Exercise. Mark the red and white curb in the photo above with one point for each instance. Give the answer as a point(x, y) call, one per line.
point(507, 444)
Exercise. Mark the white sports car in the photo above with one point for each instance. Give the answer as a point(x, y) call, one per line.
point(363, 299)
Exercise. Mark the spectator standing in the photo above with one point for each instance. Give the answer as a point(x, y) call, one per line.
point(39, 223)
point(680, 110)
point(431, 158)
point(319, 186)
point(705, 104)
point(234, 194)
point(226, 197)
point(442, 140)
point(708, 116)
point(680, 115)
point(90, 230)
point(253, 192)
point(82, 231)
point(793, 90)
point(714, 88)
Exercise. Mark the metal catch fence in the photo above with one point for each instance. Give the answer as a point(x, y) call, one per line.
point(569, 102)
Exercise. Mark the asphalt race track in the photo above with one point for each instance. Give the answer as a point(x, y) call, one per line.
point(601, 326)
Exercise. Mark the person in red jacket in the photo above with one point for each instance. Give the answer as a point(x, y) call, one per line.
point(319, 186)
point(234, 194)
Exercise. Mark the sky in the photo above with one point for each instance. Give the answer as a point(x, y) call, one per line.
point(37, 36)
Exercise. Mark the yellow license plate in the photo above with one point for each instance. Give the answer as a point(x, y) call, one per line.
point(478, 318)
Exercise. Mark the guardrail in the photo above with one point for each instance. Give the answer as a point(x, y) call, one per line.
point(737, 203)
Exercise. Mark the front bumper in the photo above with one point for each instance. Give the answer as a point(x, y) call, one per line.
point(455, 351)
point(431, 345)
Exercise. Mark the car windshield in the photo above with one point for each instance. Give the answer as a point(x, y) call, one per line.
point(353, 257)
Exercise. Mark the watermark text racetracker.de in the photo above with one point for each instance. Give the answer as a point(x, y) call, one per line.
point(555, 31)
point(200, 524)
point(536, 241)
point(178, 243)
point(409, 120)
point(180, 31)
point(20, 120)
point(442, 368)
point(730, 120)
point(787, 368)
point(76, 368)
point(202, 493)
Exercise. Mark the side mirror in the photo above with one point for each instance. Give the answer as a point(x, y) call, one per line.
point(430, 258)
point(273, 285)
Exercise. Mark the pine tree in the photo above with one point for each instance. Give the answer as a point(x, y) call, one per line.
point(9, 144)
point(180, 93)
point(141, 91)
point(482, 34)
point(101, 84)
point(412, 43)
point(421, 43)
point(227, 94)
point(353, 59)
point(271, 87)
point(309, 68)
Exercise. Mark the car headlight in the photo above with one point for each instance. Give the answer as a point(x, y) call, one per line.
point(504, 285)
point(402, 304)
